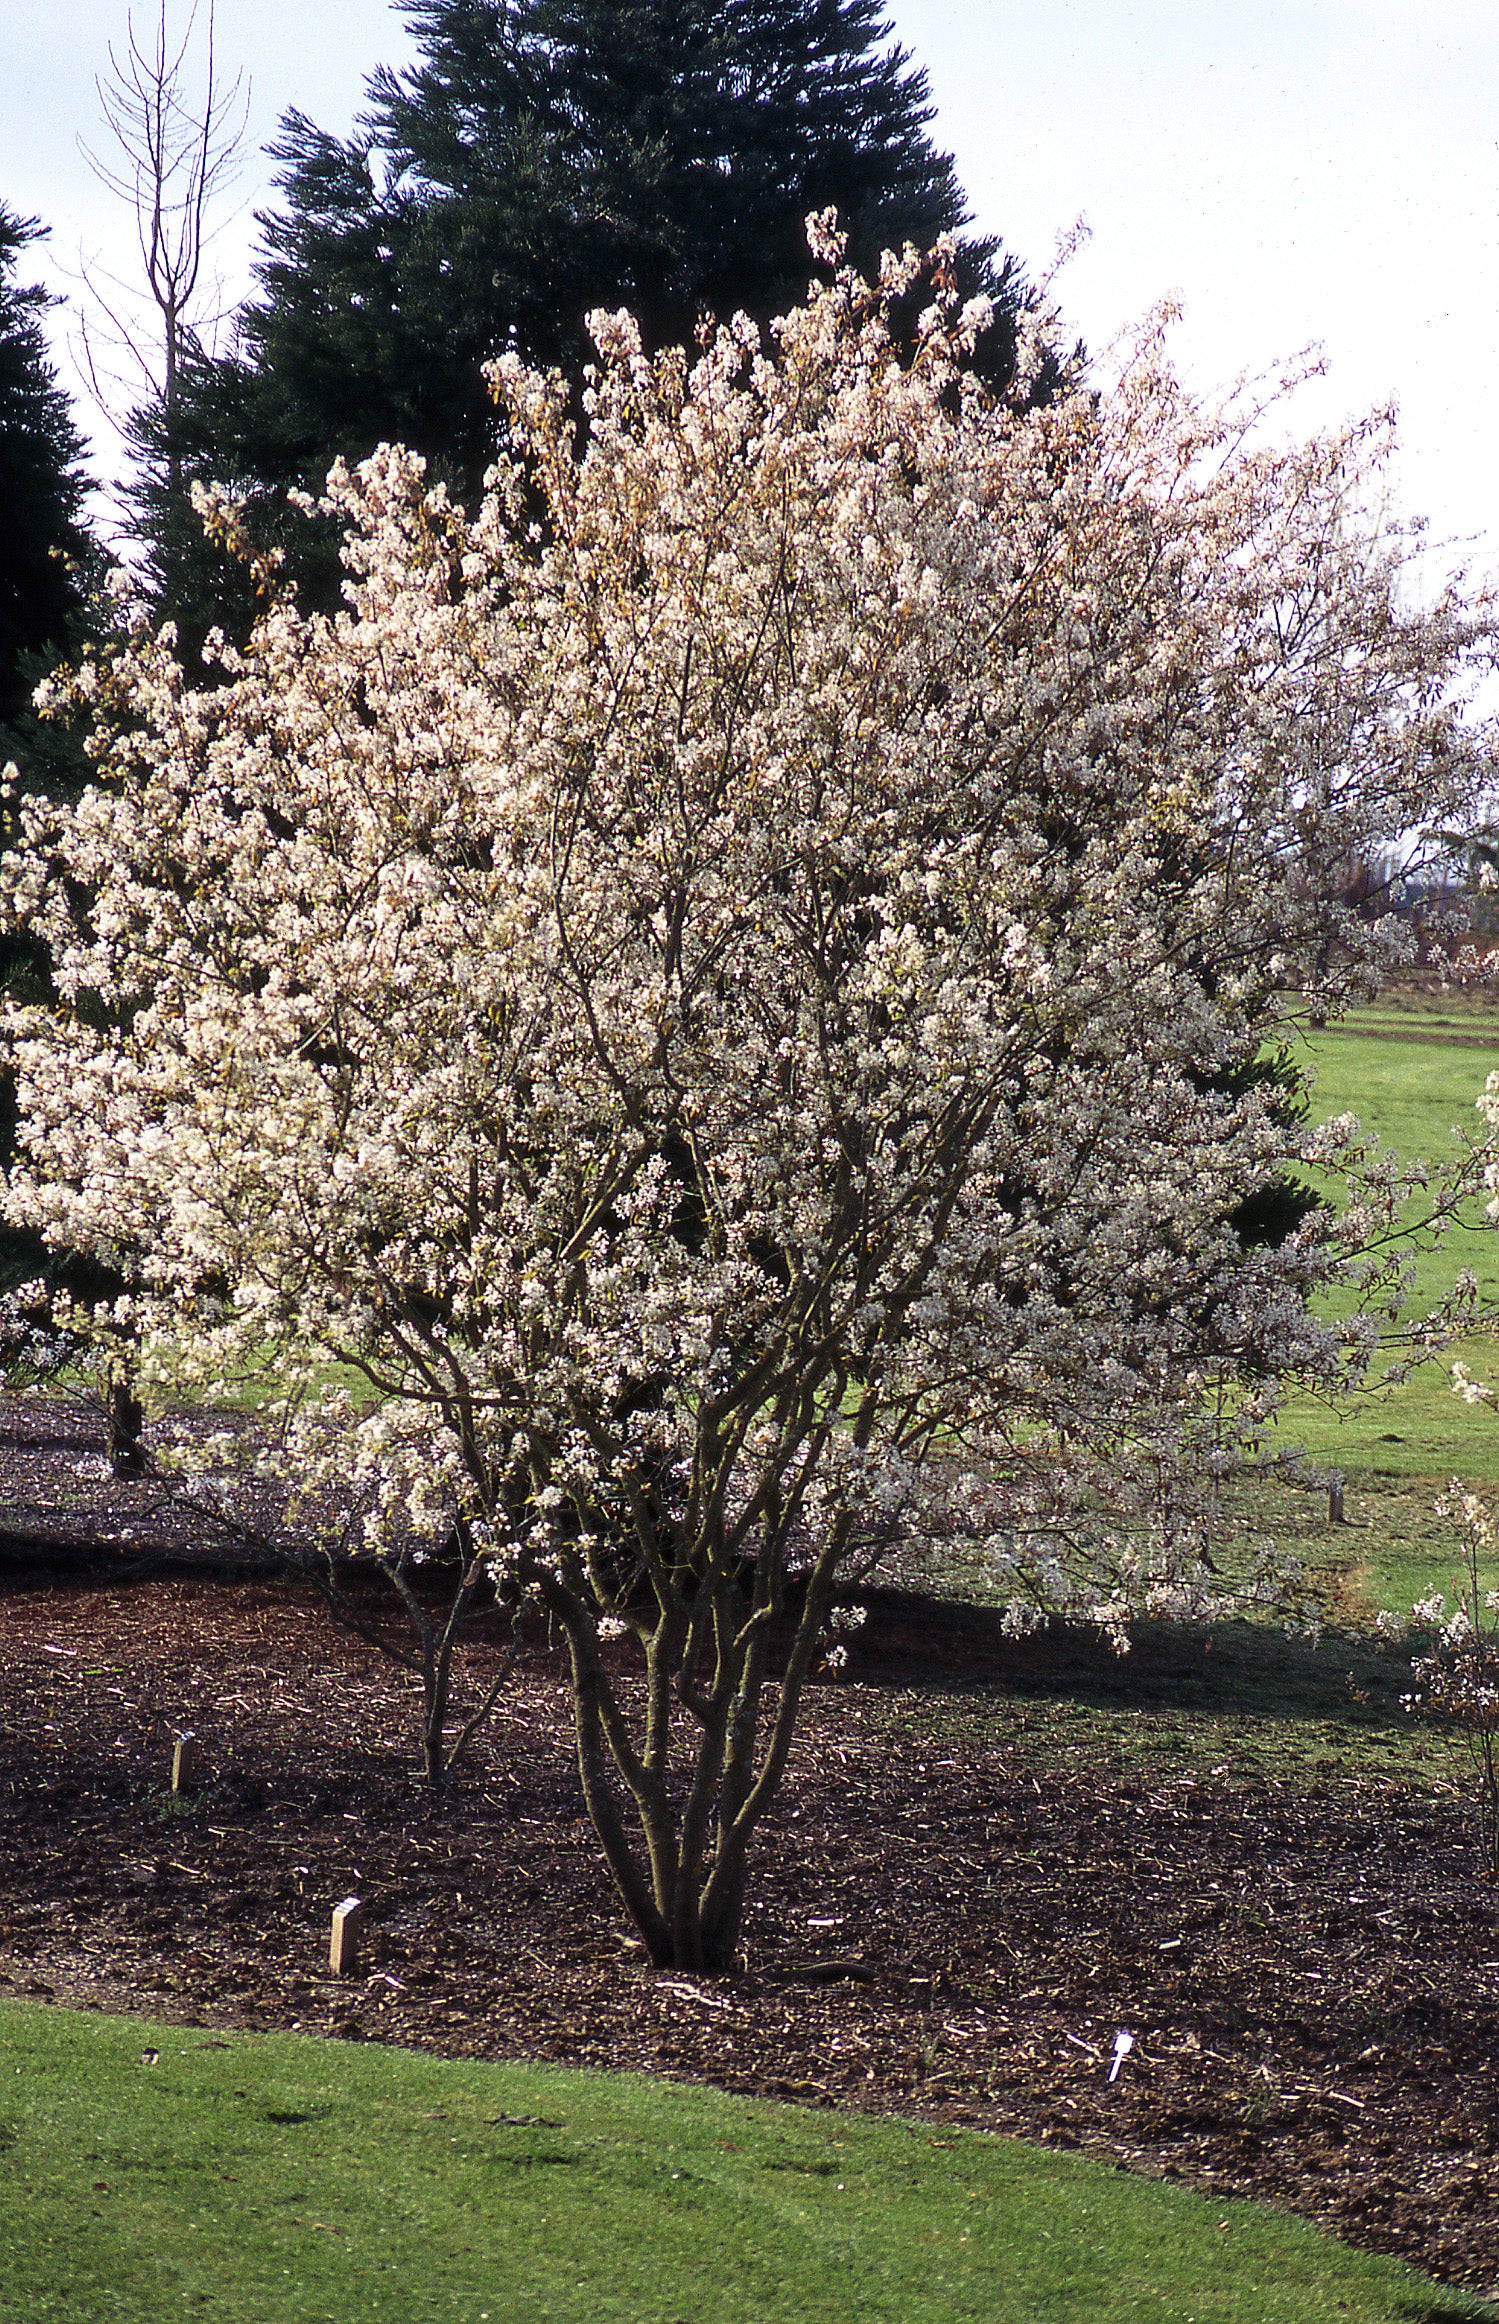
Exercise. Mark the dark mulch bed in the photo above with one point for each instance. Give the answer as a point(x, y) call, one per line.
point(954, 1929)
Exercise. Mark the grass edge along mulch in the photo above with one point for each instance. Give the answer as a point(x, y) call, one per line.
point(156, 2171)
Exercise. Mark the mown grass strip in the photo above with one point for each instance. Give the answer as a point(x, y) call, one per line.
point(159, 2172)
point(1418, 1095)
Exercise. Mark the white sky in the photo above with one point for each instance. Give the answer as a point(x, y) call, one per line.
point(1293, 170)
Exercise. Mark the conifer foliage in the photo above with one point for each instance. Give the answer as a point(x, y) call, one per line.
point(544, 157)
point(43, 545)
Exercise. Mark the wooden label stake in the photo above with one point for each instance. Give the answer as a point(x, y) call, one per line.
point(185, 1763)
point(343, 1945)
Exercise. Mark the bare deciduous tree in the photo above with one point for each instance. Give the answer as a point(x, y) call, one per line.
point(174, 143)
point(176, 140)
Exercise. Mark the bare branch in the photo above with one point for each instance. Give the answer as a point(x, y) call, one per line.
point(173, 148)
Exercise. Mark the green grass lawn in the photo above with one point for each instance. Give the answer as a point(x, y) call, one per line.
point(1412, 1074)
point(156, 2172)
point(1392, 1550)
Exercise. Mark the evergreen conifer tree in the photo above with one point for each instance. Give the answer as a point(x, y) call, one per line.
point(541, 158)
point(45, 551)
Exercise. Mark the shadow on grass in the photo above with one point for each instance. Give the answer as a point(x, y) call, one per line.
point(1233, 1669)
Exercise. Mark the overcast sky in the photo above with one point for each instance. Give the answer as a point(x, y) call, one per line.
point(1292, 170)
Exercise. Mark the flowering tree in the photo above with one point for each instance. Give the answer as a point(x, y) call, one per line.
point(722, 992)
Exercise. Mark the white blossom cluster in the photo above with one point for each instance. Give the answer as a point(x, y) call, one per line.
point(720, 987)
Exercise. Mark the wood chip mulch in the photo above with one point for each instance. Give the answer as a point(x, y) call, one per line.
point(950, 1929)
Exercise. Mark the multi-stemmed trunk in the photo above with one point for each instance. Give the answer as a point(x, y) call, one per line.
point(677, 1813)
point(436, 1631)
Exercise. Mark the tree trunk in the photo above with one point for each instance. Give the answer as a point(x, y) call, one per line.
point(127, 1456)
point(683, 1873)
point(434, 1719)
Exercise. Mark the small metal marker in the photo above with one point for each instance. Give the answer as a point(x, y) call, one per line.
point(185, 1763)
point(343, 1945)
